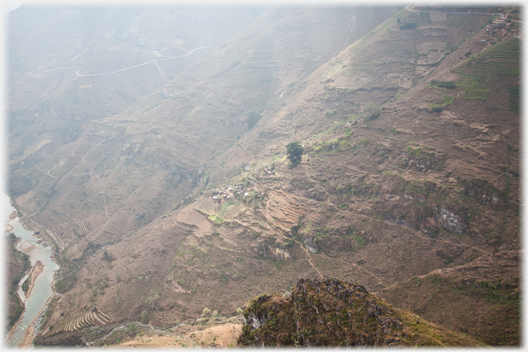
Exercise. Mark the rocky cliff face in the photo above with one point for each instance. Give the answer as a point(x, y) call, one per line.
point(337, 313)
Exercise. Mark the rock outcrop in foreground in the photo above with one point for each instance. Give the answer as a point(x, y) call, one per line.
point(337, 313)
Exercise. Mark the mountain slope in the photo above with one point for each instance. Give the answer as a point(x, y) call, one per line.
point(425, 174)
point(411, 165)
point(419, 188)
point(486, 291)
point(60, 59)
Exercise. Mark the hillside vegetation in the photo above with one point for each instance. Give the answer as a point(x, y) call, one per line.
point(338, 313)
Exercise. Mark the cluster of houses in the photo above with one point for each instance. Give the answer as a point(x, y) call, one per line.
point(269, 169)
point(238, 191)
point(497, 25)
point(229, 192)
point(163, 94)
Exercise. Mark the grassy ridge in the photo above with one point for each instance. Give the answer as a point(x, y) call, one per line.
point(338, 313)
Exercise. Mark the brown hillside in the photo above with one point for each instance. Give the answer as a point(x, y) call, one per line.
point(474, 298)
point(185, 200)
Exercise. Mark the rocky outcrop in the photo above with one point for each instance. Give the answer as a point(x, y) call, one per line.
point(268, 250)
point(311, 245)
point(451, 221)
point(483, 192)
point(337, 313)
point(427, 218)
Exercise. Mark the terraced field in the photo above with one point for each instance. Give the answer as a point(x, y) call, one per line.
point(74, 252)
point(84, 320)
point(70, 239)
point(480, 72)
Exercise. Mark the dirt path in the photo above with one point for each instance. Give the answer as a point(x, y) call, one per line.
point(416, 233)
point(317, 183)
point(310, 260)
point(65, 195)
point(91, 173)
point(363, 269)
point(135, 66)
point(93, 183)
point(73, 151)
point(413, 231)
point(106, 209)
point(160, 71)
point(44, 172)
point(419, 234)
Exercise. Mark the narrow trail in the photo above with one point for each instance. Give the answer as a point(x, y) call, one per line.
point(104, 200)
point(317, 183)
point(136, 66)
point(44, 172)
point(363, 269)
point(38, 73)
point(65, 195)
point(102, 228)
point(165, 226)
point(161, 72)
point(73, 151)
point(407, 229)
point(310, 260)
point(418, 234)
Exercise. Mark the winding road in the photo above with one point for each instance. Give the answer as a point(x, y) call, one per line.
point(135, 66)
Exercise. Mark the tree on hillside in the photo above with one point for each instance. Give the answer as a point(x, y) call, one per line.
point(295, 152)
point(206, 312)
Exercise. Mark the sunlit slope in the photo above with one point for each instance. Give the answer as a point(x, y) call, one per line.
point(396, 180)
point(377, 199)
